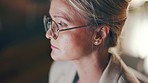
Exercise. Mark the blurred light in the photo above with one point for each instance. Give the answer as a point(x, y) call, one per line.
point(136, 3)
point(135, 34)
point(139, 41)
point(143, 40)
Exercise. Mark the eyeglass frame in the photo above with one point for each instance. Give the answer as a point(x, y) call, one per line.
point(47, 20)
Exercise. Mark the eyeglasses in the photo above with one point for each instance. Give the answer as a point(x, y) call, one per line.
point(55, 28)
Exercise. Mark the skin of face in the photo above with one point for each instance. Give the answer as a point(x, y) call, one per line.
point(71, 44)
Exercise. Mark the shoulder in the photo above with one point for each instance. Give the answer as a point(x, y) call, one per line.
point(61, 70)
point(117, 72)
point(126, 75)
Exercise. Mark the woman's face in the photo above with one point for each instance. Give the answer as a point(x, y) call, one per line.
point(71, 44)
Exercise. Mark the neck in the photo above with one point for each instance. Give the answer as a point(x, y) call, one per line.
point(91, 67)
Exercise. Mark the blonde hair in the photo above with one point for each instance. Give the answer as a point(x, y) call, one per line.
point(110, 12)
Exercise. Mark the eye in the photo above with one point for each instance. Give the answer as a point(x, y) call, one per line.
point(62, 25)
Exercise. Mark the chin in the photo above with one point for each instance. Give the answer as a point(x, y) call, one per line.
point(59, 58)
point(56, 57)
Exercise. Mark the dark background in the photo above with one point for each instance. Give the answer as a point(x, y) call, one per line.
point(24, 50)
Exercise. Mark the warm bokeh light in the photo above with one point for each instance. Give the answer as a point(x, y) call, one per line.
point(135, 33)
point(143, 39)
point(136, 3)
point(139, 41)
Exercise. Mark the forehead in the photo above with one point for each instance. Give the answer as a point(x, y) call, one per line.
point(58, 5)
point(62, 8)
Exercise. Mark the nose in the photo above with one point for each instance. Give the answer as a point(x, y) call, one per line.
point(48, 34)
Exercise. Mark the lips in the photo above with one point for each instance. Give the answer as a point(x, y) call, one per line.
point(54, 47)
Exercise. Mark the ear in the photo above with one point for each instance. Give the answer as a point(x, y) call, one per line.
point(101, 34)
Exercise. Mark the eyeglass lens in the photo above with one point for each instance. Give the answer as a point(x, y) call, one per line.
point(51, 25)
point(54, 29)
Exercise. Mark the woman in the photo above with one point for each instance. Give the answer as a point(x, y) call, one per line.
point(81, 33)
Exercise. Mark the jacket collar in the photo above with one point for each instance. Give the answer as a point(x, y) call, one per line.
point(112, 72)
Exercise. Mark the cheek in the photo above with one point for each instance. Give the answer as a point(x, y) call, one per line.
point(84, 40)
point(76, 43)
